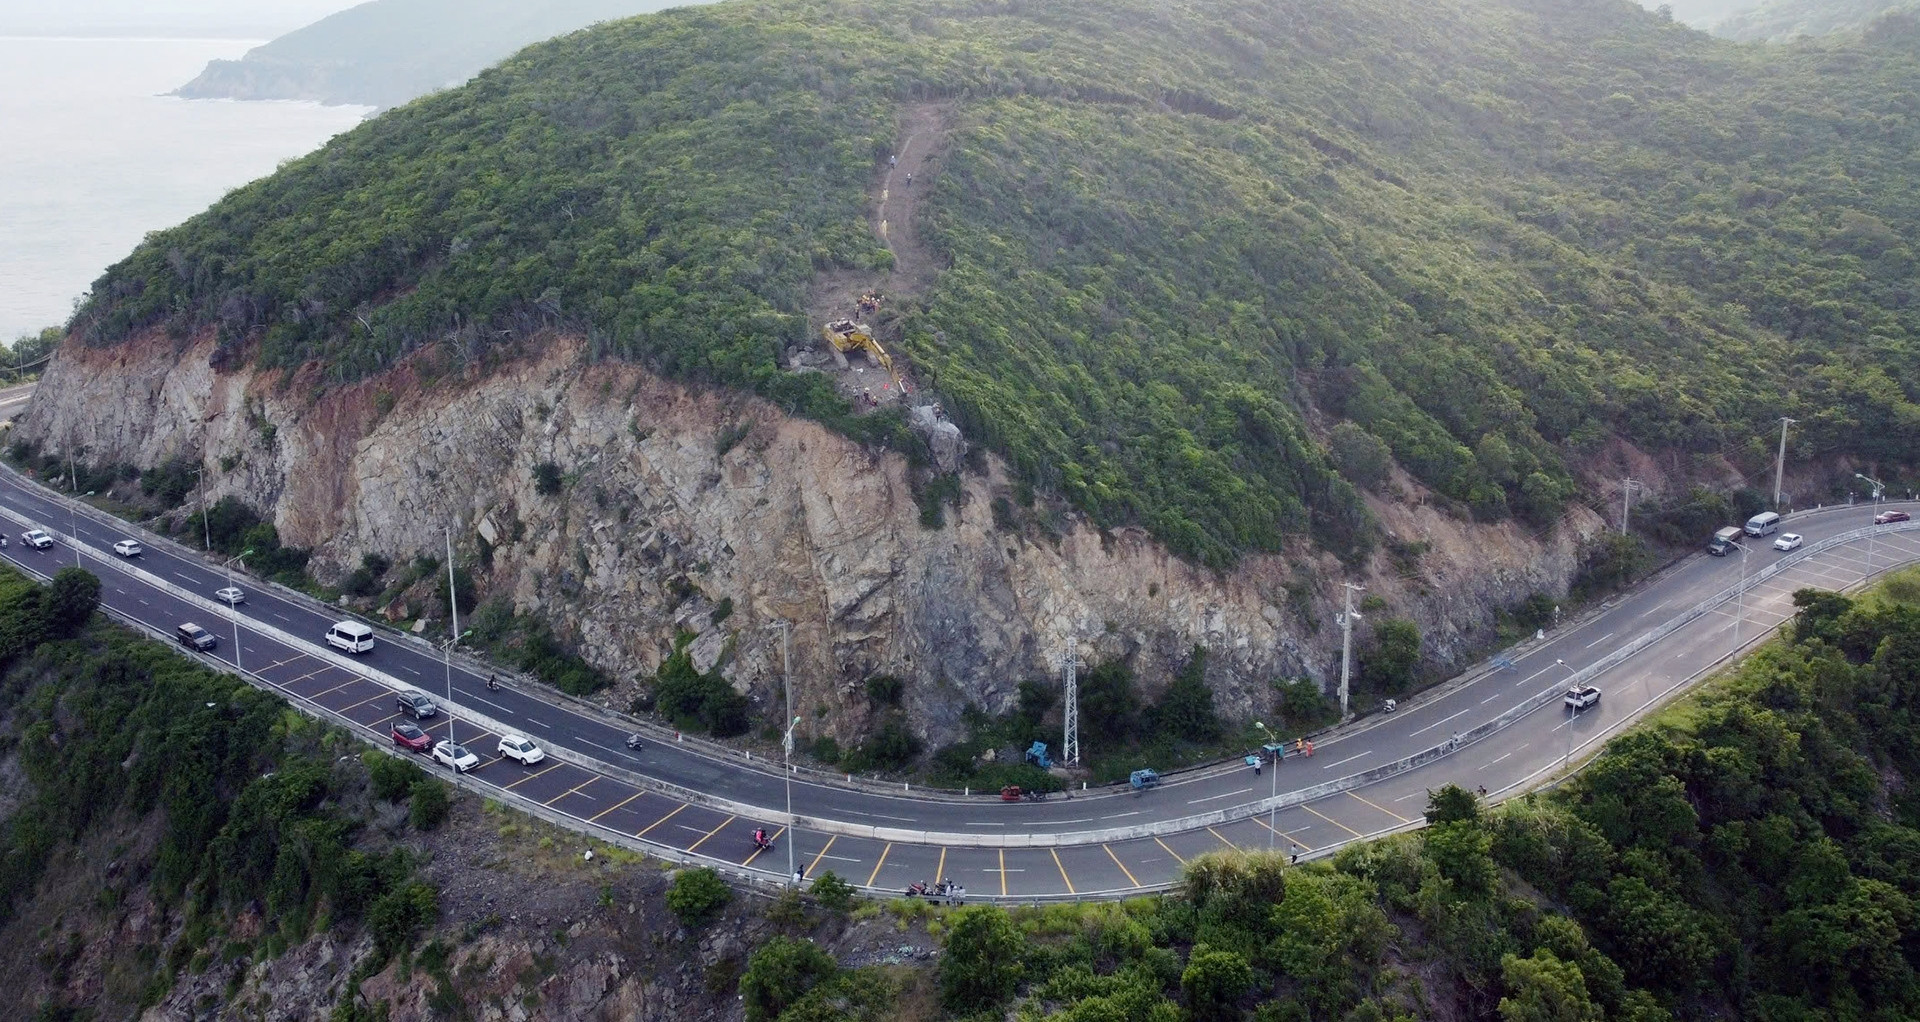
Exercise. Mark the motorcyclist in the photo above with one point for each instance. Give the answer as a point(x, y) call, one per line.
point(760, 837)
point(493, 683)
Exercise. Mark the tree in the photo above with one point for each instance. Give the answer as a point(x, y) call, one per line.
point(71, 600)
point(1185, 712)
point(1214, 984)
point(1395, 654)
point(982, 964)
point(1332, 936)
point(697, 895)
point(1359, 455)
point(1109, 706)
point(780, 973)
point(1543, 988)
point(1462, 853)
point(1452, 804)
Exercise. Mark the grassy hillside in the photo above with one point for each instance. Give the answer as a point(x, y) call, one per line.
point(1183, 242)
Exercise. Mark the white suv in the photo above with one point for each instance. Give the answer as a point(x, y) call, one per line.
point(455, 756)
point(127, 548)
point(517, 748)
point(1580, 698)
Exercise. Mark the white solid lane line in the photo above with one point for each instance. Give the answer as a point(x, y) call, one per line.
point(1439, 722)
point(1224, 794)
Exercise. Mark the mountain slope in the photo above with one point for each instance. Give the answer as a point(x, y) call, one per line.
point(1180, 242)
point(386, 52)
point(1782, 20)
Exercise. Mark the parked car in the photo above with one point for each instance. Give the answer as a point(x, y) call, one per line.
point(1788, 541)
point(415, 705)
point(36, 539)
point(1889, 517)
point(128, 548)
point(408, 735)
point(455, 756)
point(521, 750)
point(1580, 698)
point(231, 596)
point(193, 636)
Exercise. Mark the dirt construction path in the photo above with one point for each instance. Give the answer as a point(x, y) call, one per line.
point(894, 208)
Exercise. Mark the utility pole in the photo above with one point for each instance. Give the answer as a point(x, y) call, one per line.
point(1626, 501)
point(1069, 662)
point(1780, 460)
point(1346, 645)
point(1879, 488)
point(786, 742)
point(453, 635)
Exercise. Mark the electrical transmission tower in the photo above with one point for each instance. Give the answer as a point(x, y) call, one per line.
point(1067, 661)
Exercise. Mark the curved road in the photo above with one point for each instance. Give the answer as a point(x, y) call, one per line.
point(689, 800)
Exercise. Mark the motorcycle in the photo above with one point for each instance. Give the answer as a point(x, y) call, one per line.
point(763, 844)
point(1033, 795)
point(633, 741)
point(493, 683)
point(919, 889)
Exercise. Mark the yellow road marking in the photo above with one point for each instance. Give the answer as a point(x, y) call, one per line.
point(1333, 821)
point(531, 776)
point(708, 834)
point(1003, 872)
point(1122, 865)
point(876, 866)
point(1383, 809)
point(571, 790)
point(1169, 851)
point(1063, 871)
point(815, 864)
point(603, 812)
point(757, 851)
point(1223, 839)
point(940, 871)
point(1303, 845)
point(663, 819)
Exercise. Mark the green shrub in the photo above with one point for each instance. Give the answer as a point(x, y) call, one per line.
point(390, 777)
point(429, 804)
point(781, 972)
point(697, 895)
point(982, 965)
point(546, 479)
point(834, 893)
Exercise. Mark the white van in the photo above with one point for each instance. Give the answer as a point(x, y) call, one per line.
point(1766, 523)
point(351, 636)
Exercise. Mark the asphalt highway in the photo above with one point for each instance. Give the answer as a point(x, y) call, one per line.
point(702, 801)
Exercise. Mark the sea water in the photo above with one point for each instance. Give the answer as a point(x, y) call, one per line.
point(94, 156)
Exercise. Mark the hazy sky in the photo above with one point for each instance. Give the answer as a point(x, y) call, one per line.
point(246, 19)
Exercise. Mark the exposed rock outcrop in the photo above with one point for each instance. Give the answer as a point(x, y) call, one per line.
point(674, 499)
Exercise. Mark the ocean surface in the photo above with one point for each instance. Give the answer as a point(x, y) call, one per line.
point(93, 157)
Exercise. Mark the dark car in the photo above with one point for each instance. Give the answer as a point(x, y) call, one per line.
point(193, 636)
point(1889, 517)
point(409, 736)
point(415, 705)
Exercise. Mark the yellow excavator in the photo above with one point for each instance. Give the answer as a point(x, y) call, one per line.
point(845, 335)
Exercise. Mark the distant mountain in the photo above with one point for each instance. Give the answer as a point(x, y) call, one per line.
point(386, 52)
point(1782, 20)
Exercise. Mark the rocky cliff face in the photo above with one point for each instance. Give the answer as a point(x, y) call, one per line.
point(674, 499)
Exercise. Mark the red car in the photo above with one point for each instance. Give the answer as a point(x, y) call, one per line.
point(409, 736)
point(1889, 517)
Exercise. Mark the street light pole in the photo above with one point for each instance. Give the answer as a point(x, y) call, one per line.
point(1566, 755)
point(1780, 460)
point(206, 526)
point(1273, 795)
point(1740, 597)
point(233, 610)
point(1878, 488)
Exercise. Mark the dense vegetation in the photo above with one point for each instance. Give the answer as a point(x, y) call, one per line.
point(1755, 853)
point(258, 811)
point(1488, 236)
